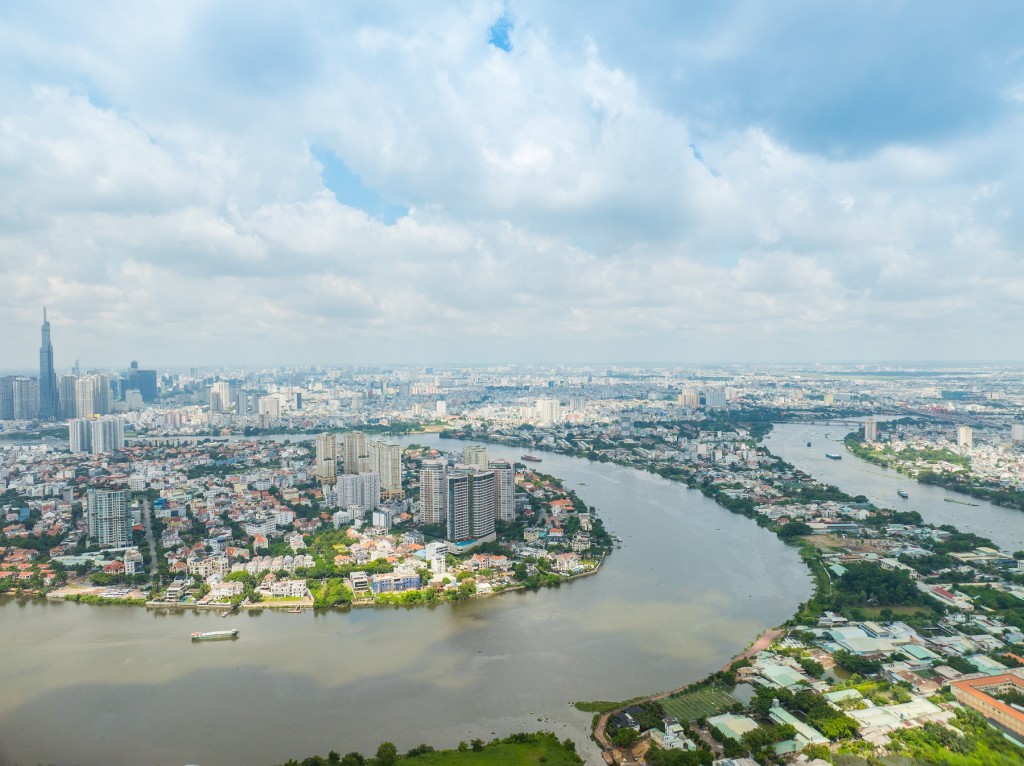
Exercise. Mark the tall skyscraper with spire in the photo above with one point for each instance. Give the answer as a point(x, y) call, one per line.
point(49, 408)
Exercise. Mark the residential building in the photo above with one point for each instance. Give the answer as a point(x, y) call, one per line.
point(504, 490)
point(475, 456)
point(433, 491)
point(327, 458)
point(109, 518)
point(470, 505)
point(220, 396)
point(964, 437)
point(386, 460)
point(356, 456)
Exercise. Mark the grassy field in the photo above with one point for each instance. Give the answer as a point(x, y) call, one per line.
point(548, 750)
point(690, 706)
point(872, 612)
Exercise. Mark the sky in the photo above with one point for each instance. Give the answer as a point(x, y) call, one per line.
point(257, 183)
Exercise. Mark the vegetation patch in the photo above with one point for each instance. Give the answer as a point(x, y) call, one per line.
point(689, 706)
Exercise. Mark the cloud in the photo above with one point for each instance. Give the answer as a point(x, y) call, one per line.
point(334, 184)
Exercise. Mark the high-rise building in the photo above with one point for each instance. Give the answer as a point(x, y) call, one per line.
point(143, 381)
point(441, 408)
point(433, 491)
point(475, 456)
point(870, 430)
point(133, 400)
point(7, 397)
point(66, 396)
point(79, 435)
point(220, 396)
point(25, 397)
point(85, 396)
point(1017, 433)
point(327, 458)
point(386, 460)
point(504, 490)
point(714, 398)
point(357, 458)
point(549, 411)
point(106, 434)
point(470, 506)
point(49, 404)
point(964, 437)
point(358, 489)
point(102, 404)
point(109, 517)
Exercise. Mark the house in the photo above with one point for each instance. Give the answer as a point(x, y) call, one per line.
point(568, 563)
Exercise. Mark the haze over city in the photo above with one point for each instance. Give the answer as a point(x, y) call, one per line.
point(251, 183)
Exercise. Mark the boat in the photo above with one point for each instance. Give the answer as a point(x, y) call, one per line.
point(833, 456)
point(530, 458)
point(295, 610)
point(959, 502)
point(214, 635)
point(902, 493)
point(808, 444)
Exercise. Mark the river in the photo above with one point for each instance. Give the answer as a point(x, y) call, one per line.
point(691, 586)
point(1004, 526)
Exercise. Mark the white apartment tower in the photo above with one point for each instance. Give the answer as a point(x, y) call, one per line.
point(549, 411)
point(870, 430)
point(85, 396)
point(220, 396)
point(504, 490)
point(79, 435)
point(433, 491)
point(327, 459)
point(964, 437)
point(109, 517)
point(475, 456)
point(106, 434)
point(357, 458)
point(386, 460)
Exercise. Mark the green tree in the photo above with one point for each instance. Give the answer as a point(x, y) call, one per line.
point(387, 754)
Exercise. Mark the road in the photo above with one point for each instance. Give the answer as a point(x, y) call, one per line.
point(147, 522)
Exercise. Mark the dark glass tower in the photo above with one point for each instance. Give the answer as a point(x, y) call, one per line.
point(48, 407)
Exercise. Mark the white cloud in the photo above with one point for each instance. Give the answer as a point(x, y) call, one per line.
point(159, 194)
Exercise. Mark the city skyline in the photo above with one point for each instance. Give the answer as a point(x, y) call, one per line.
point(512, 182)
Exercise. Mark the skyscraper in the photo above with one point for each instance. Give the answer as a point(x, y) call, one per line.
point(327, 458)
point(85, 396)
point(49, 406)
point(470, 506)
point(220, 396)
point(433, 491)
point(109, 517)
point(106, 434)
point(504, 490)
point(386, 459)
point(870, 430)
point(357, 459)
point(66, 396)
point(79, 435)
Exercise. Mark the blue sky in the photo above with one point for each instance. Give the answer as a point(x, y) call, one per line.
point(197, 183)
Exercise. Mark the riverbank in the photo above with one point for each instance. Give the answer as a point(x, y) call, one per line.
point(944, 469)
point(497, 665)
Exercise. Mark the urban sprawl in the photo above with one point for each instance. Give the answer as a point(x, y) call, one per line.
point(230, 489)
